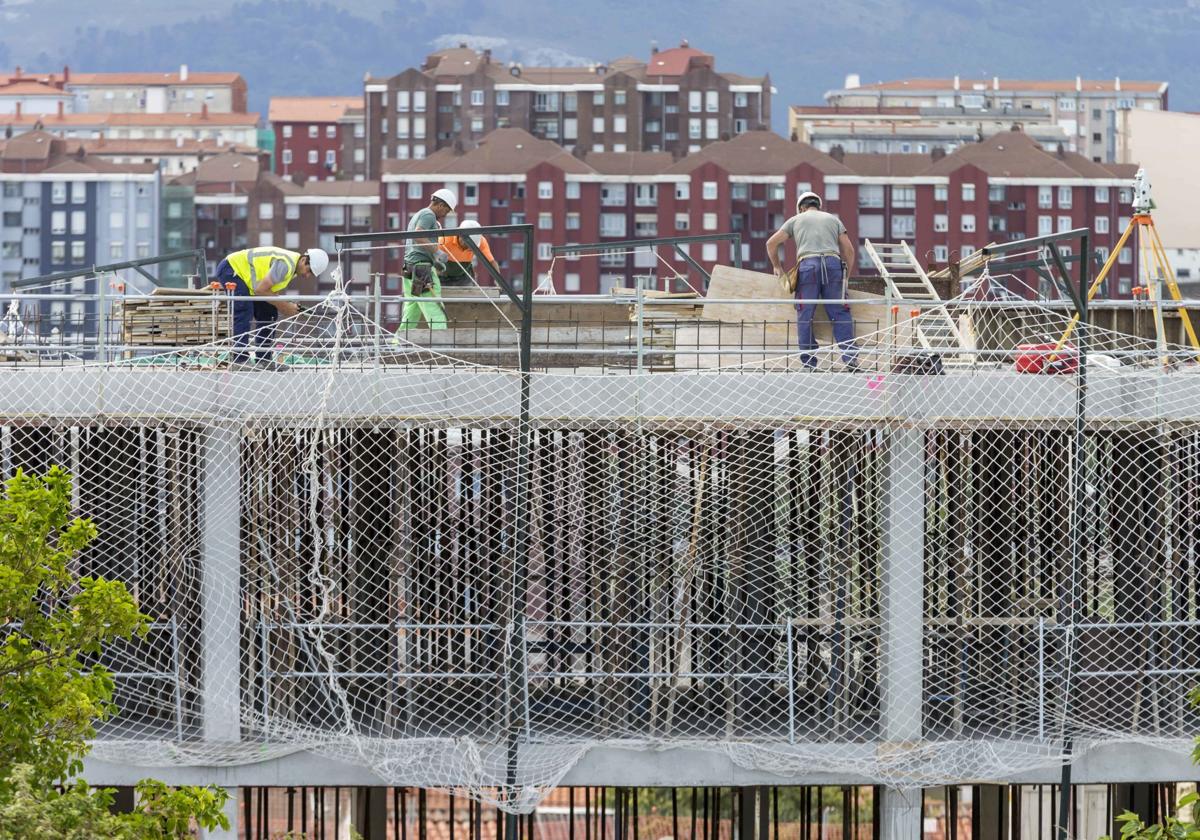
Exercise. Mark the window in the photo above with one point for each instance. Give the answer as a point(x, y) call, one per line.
point(597, 125)
point(287, 156)
point(645, 195)
point(502, 98)
point(968, 192)
point(694, 127)
point(1045, 198)
point(291, 211)
point(864, 257)
point(58, 221)
point(1064, 223)
point(470, 194)
point(695, 101)
point(312, 131)
point(683, 190)
point(360, 155)
point(776, 192)
point(968, 222)
point(870, 195)
point(573, 222)
point(644, 224)
point(418, 131)
point(360, 130)
point(12, 189)
point(709, 221)
point(477, 98)
point(1045, 225)
point(1101, 195)
point(708, 190)
point(545, 251)
point(415, 190)
point(116, 250)
point(331, 132)
point(613, 195)
point(545, 189)
point(287, 131)
point(996, 194)
point(402, 128)
point(402, 100)
point(418, 101)
point(332, 214)
point(870, 226)
point(1064, 197)
point(1102, 224)
point(265, 239)
point(545, 221)
point(58, 192)
point(967, 250)
point(832, 192)
point(598, 98)
point(266, 210)
point(570, 128)
point(941, 223)
point(545, 102)
point(904, 196)
point(619, 124)
point(1125, 257)
point(711, 101)
point(78, 222)
point(708, 252)
point(312, 155)
point(291, 240)
point(739, 100)
point(739, 126)
point(997, 224)
point(941, 253)
point(58, 252)
point(572, 188)
point(612, 224)
point(681, 221)
point(712, 129)
point(904, 227)
point(79, 251)
point(571, 283)
point(739, 192)
point(941, 192)
point(477, 125)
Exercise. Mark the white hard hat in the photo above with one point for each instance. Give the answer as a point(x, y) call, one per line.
point(318, 260)
point(472, 223)
point(810, 195)
point(447, 196)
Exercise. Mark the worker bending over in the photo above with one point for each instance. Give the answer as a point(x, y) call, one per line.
point(824, 254)
point(265, 271)
point(460, 266)
point(420, 277)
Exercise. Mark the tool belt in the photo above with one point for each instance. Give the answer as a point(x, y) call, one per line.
point(421, 275)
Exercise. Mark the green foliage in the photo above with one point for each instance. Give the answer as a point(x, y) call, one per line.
point(1132, 827)
point(53, 624)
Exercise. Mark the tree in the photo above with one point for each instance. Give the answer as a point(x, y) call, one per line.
point(53, 626)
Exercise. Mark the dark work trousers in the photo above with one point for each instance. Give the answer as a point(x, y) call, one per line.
point(820, 278)
point(248, 313)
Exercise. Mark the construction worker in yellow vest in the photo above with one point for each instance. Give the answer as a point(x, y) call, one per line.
point(265, 270)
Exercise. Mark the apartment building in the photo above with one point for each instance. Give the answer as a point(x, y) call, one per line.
point(238, 203)
point(676, 101)
point(309, 135)
point(223, 129)
point(896, 129)
point(180, 91)
point(946, 206)
point(62, 209)
point(1086, 109)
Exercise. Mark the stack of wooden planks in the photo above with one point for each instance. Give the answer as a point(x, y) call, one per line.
point(175, 318)
point(690, 303)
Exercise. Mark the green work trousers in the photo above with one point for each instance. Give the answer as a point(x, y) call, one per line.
point(435, 315)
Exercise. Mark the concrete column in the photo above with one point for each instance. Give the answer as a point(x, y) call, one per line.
point(220, 639)
point(902, 638)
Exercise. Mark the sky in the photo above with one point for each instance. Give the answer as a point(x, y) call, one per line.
point(312, 47)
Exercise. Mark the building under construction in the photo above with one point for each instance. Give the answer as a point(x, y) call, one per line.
point(628, 566)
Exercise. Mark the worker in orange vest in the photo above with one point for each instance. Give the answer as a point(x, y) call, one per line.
point(460, 268)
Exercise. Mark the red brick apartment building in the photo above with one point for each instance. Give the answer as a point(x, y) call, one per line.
point(311, 133)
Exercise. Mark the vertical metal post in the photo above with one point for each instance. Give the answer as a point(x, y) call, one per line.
point(1041, 678)
point(517, 670)
point(791, 689)
point(737, 250)
point(641, 310)
point(101, 321)
point(378, 295)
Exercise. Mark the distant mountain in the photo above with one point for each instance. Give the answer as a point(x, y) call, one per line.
point(306, 47)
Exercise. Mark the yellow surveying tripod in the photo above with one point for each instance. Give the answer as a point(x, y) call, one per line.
point(1152, 253)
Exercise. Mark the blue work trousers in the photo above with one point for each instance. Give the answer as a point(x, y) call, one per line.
point(821, 278)
point(248, 313)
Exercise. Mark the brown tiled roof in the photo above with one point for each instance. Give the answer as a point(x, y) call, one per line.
point(675, 61)
point(759, 153)
point(103, 79)
point(311, 108)
point(884, 166)
point(227, 168)
point(129, 119)
point(33, 145)
point(158, 146)
point(629, 163)
point(1013, 85)
point(70, 165)
point(1008, 154)
point(456, 61)
point(505, 151)
point(855, 110)
point(349, 189)
point(546, 75)
point(28, 87)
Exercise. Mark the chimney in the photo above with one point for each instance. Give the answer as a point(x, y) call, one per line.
point(487, 56)
point(838, 153)
point(1117, 84)
point(853, 80)
point(654, 48)
point(17, 113)
point(938, 153)
point(183, 73)
point(204, 111)
point(1078, 84)
point(66, 73)
point(957, 83)
point(995, 83)
point(17, 72)
point(61, 108)
point(1016, 127)
point(683, 44)
point(1061, 150)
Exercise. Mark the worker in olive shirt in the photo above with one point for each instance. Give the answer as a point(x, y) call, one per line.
point(460, 267)
point(824, 253)
point(420, 264)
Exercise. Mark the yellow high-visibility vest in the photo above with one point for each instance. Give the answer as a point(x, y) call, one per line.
point(253, 264)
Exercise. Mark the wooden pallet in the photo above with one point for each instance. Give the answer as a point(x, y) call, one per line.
point(174, 317)
point(689, 306)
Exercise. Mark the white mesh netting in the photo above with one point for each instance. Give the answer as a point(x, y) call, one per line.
point(917, 572)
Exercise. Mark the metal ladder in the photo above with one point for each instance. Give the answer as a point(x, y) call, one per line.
point(936, 328)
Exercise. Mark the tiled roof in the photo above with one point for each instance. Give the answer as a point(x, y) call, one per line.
point(27, 87)
point(855, 110)
point(227, 168)
point(1014, 85)
point(311, 108)
point(887, 166)
point(157, 146)
point(759, 153)
point(50, 154)
point(505, 151)
point(1011, 154)
point(629, 163)
point(173, 78)
point(130, 119)
point(675, 61)
point(349, 189)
